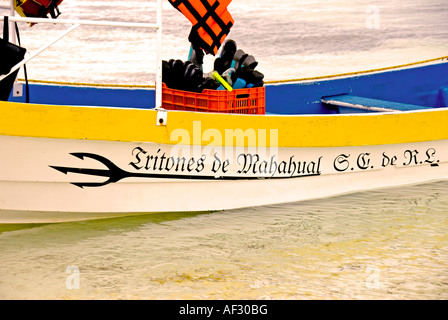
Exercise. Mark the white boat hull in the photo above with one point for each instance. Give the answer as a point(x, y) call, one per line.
point(42, 179)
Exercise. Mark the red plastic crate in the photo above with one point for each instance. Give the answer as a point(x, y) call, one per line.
point(244, 101)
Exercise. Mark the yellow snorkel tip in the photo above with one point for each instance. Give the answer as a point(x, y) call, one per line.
point(221, 80)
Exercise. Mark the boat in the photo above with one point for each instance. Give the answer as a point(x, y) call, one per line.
point(78, 151)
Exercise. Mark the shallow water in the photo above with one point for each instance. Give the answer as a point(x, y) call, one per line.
point(386, 244)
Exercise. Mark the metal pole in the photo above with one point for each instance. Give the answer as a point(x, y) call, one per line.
point(159, 55)
point(12, 28)
point(83, 22)
point(24, 61)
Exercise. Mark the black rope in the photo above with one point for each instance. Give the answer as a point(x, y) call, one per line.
point(27, 90)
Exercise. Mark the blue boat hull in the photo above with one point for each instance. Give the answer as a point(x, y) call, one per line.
point(424, 86)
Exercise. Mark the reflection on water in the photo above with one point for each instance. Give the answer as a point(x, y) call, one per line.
point(388, 244)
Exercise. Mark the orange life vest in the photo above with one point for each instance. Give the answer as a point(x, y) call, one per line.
point(211, 21)
point(37, 8)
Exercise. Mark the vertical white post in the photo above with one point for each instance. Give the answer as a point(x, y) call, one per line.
point(12, 28)
point(159, 55)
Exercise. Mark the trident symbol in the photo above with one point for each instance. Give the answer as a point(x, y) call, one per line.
point(112, 172)
point(115, 174)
